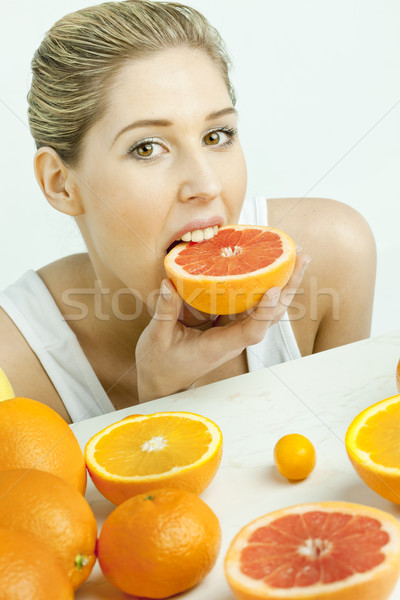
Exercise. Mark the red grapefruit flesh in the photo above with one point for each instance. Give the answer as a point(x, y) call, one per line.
point(321, 551)
point(229, 273)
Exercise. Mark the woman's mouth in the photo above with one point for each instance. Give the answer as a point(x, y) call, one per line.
point(195, 235)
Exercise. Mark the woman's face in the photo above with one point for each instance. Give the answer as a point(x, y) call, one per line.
point(164, 159)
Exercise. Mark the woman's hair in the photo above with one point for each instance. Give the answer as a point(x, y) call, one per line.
point(79, 56)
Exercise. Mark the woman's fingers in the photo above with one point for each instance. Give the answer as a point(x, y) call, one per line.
point(167, 310)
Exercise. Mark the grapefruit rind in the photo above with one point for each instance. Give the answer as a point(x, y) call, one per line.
point(221, 294)
point(382, 479)
point(375, 584)
point(193, 477)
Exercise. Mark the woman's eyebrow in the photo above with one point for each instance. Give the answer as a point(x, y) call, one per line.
point(167, 123)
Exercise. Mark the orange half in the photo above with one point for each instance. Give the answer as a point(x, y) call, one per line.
point(165, 449)
point(373, 446)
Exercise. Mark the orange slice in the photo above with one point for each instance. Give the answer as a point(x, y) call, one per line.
point(229, 273)
point(165, 449)
point(318, 551)
point(373, 445)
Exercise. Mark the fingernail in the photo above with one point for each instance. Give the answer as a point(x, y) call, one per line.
point(307, 262)
point(165, 292)
point(298, 249)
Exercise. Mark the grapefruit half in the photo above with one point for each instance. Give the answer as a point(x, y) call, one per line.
point(229, 273)
point(316, 551)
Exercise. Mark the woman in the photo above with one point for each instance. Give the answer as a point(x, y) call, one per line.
point(132, 112)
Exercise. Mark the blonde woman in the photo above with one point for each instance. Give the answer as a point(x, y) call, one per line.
point(133, 116)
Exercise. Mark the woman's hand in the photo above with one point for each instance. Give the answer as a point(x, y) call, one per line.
point(170, 357)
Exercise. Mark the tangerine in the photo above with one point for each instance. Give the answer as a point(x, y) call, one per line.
point(160, 543)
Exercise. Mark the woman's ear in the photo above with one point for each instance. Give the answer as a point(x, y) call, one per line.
point(57, 182)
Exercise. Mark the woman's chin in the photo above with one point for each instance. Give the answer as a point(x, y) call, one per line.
point(191, 317)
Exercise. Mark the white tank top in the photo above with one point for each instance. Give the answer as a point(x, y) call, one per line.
point(31, 307)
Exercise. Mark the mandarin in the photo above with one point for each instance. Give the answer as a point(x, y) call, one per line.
point(160, 543)
point(47, 507)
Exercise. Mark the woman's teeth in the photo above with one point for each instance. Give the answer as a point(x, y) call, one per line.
point(199, 235)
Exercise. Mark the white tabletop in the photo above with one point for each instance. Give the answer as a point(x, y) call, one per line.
point(317, 396)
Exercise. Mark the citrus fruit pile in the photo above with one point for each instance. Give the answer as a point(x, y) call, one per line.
point(320, 551)
point(294, 456)
point(230, 272)
point(160, 543)
point(372, 444)
point(48, 531)
point(144, 452)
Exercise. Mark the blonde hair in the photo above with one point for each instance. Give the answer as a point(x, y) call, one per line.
point(83, 51)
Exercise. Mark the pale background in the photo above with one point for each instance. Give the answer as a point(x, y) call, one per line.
point(318, 85)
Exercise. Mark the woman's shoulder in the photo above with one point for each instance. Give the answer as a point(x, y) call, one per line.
point(74, 268)
point(338, 287)
point(66, 276)
point(322, 226)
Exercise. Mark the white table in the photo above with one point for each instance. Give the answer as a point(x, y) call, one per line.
point(317, 396)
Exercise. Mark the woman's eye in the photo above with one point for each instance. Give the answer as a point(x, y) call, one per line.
point(220, 137)
point(212, 138)
point(146, 150)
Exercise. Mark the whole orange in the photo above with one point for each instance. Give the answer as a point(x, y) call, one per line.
point(47, 507)
point(160, 543)
point(29, 571)
point(34, 436)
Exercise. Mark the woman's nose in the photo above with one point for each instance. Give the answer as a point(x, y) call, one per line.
point(199, 177)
